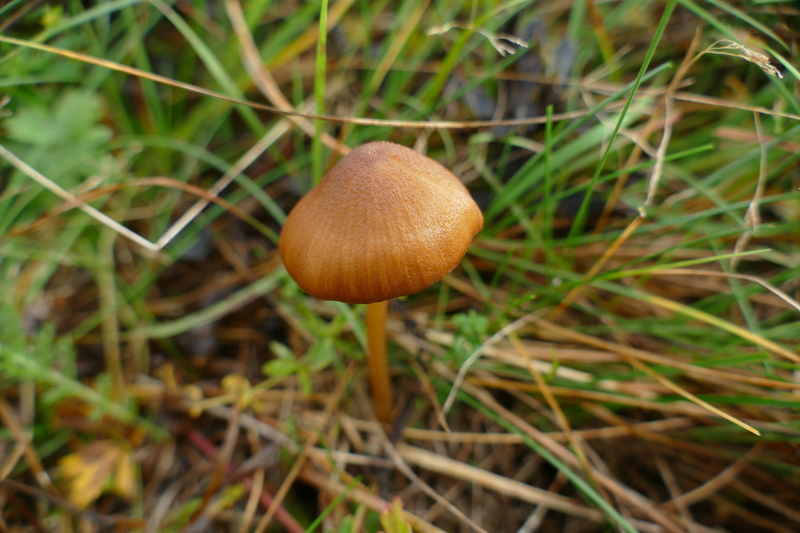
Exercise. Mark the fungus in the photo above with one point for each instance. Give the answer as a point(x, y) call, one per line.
point(385, 222)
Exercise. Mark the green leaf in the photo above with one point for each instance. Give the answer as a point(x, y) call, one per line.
point(280, 367)
point(304, 379)
point(72, 121)
point(392, 519)
point(321, 354)
point(472, 326)
point(281, 350)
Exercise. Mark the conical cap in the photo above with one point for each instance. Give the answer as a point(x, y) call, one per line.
point(385, 222)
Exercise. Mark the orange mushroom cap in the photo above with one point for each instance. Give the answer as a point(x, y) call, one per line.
point(385, 222)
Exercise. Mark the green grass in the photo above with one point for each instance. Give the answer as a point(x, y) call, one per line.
point(104, 341)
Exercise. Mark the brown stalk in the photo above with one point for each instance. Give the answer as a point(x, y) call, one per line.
point(377, 360)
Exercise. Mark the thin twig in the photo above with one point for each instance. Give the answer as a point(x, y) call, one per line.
point(476, 354)
point(716, 483)
point(264, 80)
point(689, 396)
point(755, 279)
point(752, 218)
point(674, 490)
point(402, 466)
point(661, 155)
point(445, 124)
point(39, 178)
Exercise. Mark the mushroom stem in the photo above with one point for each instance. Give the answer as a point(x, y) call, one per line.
point(377, 362)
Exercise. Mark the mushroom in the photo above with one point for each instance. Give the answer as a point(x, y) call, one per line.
point(385, 222)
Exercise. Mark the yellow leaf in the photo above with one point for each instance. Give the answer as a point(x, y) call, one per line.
point(125, 477)
point(240, 386)
point(194, 394)
point(88, 472)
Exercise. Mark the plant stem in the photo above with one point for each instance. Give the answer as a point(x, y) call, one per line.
point(377, 361)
